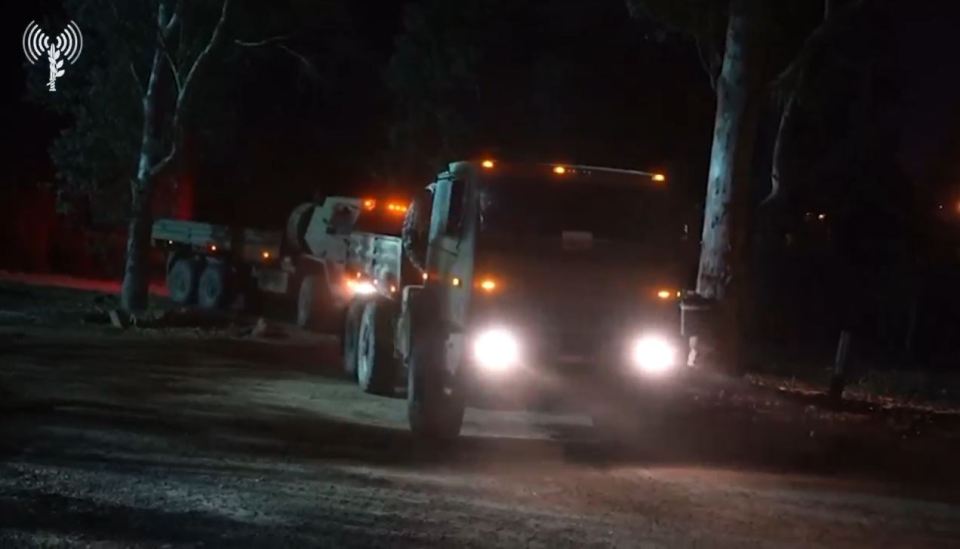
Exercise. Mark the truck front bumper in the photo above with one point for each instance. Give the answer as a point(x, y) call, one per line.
point(529, 364)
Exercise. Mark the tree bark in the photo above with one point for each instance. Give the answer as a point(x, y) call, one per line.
point(136, 272)
point(725, 214)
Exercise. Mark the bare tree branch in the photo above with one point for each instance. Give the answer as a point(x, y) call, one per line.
point(278, 41)
point(308, 65)
point(788, 82)
point(215, 38)
point(184, 85)
point(136, 80)
point(264, 42)
point(834, 19)
point(173, 65)
point(164, 162)
point(706, 61)
point(173, 21)
point(133, 69)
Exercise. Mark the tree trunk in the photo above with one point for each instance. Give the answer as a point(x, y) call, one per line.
point(136, 272)
point(725, 214)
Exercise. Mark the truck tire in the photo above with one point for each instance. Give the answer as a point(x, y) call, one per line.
point(183, 280)
point(434, 411)
point(213, 288)
point(313, 304)
point(376, 362)
point(349, 342)
point(435, 400)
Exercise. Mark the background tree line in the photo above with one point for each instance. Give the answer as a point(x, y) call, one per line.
point(305, 98)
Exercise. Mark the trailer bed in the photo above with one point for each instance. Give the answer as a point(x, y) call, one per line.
point(246, 245)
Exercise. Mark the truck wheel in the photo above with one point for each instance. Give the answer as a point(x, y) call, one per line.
point(376, 363)
point(183, 280)
point(351, 331)
point(212, 291)
point(433, 411)
point(435, 401)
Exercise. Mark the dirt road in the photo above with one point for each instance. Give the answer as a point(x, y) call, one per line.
point(178, 439)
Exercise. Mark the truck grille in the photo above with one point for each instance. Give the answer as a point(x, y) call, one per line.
point(577, 344)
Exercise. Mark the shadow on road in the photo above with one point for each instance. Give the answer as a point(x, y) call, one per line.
point(70, 520)
point(294, 435)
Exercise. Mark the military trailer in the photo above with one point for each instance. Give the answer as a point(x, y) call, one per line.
point(535, 276)
point(330, 254)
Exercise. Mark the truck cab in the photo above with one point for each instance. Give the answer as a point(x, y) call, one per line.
point(541, 275)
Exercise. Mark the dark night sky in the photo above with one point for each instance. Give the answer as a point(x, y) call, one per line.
point(26, 128)
point(926, 42)
point(931, 81)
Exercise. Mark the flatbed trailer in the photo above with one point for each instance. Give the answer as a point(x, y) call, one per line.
point(331, 253)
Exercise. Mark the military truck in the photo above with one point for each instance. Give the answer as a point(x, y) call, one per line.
point(333, 252)
point(535, 276)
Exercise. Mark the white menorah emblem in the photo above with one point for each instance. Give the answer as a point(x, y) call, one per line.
point(67, 46)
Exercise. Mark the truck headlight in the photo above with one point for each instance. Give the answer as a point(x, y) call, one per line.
point(654, 354)
point(361, 287)
point(496, 349)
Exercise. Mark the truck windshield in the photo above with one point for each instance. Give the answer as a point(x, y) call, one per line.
point(548, 208)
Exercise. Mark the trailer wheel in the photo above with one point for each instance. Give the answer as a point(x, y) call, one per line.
point(313, 303)
point(376, 363)
point(213, 291)
point(351, 332)
point(183, 280)
point(435, 400)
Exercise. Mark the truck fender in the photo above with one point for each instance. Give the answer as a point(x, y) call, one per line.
point(174, 255)
point(402, 334)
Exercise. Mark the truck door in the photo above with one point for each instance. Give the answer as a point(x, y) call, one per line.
point(453, 227)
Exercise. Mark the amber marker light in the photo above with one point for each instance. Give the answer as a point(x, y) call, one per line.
point(488, 285)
